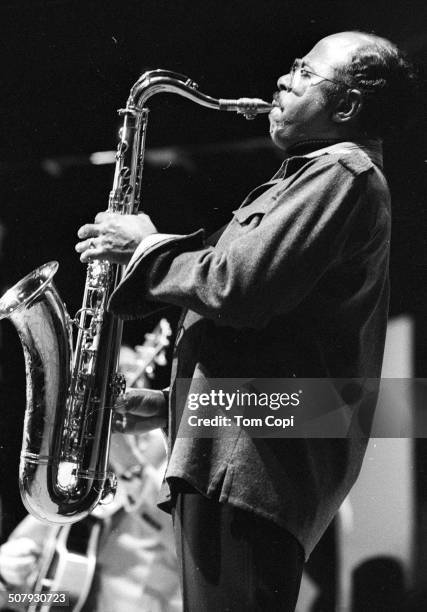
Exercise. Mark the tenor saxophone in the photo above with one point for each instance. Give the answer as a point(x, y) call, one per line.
point(63, 471)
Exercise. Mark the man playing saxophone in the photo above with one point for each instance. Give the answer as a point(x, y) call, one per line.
point(295, 287)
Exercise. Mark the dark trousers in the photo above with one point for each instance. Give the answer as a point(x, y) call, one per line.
point(233, 561)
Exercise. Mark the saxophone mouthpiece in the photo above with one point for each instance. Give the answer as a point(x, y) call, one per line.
point(249, 107)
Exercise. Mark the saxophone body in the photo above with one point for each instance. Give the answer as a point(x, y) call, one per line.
point(64, 471)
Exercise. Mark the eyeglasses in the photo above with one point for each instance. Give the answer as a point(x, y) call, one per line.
point(302, 78)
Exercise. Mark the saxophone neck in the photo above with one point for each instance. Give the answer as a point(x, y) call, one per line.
point(157, 81)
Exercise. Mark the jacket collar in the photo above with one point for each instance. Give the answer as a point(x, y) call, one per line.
point(315, 148)
point(372, 147)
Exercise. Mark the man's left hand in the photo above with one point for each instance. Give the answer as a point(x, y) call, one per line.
point(143, 409)
point(113, 237)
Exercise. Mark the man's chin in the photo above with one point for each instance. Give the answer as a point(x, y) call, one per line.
point(280, 138)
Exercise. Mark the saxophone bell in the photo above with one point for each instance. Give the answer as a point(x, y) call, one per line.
point(55, 488)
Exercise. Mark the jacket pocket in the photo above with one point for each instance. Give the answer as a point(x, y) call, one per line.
point(257, 208)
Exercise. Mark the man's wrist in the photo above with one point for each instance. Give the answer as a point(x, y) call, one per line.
point(150, 241)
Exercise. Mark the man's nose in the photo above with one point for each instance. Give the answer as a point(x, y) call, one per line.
point(284, 82)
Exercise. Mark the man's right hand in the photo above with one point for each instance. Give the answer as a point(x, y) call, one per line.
point(18, 560)
point(143, 410)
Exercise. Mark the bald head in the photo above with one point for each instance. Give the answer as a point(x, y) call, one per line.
point(346, 43)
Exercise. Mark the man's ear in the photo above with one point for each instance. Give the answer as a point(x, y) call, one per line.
point(348, 107)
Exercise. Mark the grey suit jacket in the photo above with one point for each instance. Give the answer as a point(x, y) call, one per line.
point(296, 286)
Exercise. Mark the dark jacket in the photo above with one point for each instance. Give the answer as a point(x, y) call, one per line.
point(296, 286)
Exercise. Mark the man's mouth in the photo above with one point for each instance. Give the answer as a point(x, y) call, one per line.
point(277, 112)
point(277, 104)
point(276, 99)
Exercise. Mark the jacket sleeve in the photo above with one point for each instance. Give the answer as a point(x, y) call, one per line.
point(267, 267)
